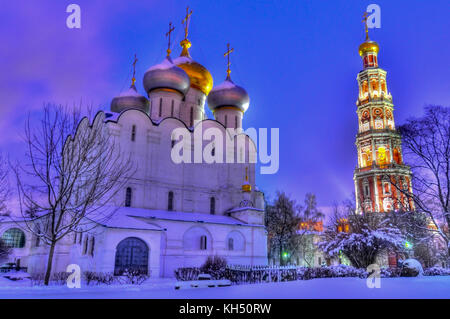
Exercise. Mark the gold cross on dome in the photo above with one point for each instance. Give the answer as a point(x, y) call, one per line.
point(186, 21)
point(133, 79)
point(168, 34)
point(365, 18)
point(227, 54)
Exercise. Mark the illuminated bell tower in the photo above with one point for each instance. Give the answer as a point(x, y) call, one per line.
point(380, 173)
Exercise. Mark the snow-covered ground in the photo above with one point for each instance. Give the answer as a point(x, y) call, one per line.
point(421, 287)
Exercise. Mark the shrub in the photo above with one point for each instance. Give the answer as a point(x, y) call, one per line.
point(215, 266)
point(187, 273)
point(436, 271)
point(133, 277)
point(95, 278)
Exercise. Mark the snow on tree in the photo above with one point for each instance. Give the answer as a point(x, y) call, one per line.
point(368, 236)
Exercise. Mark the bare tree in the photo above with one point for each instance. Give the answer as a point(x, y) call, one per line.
point(282, 220)
point(310, 225)
point(73, 172)
point(426, 144)
point(4, 185)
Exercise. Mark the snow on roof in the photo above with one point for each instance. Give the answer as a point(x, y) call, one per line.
point(130, 92)
point(119, 218)
point(227, 84)
point(164, 65)
point(181, 216)
point(182, 60)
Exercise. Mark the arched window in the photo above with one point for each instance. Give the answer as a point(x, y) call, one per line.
point(191, 117)
point(128, 197)
point(203, 242)
point(74, 237)
point(230, 244)
point(91, 252)
point(80, 238)
point(226, 120)
point(14, 238)
point(131, 255)
point(170, 201)
point(160, 107)
point(171, 111)
point(235, 122)
point(133, 133)
point(235, 241)
point(212, 205)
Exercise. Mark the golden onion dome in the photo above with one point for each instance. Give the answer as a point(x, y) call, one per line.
point(200, 77)
point(368, 46)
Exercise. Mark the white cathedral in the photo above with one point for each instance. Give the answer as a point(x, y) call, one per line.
point(173, 215)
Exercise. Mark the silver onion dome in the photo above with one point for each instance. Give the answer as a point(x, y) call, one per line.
point(130, 99)
point(166, 75)
point(228, 94)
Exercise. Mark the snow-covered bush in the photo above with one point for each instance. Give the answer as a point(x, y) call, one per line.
point(132, 277)
point(56, 279)
point(436, 271)
point(332, 272)
point(214, 266)
point(369, 235)
point(390, 272)
point(98, 278)
point(411, 268)
point(187, 273)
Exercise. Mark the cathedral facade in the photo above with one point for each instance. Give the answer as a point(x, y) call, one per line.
point(170, 215)
point(381, 177)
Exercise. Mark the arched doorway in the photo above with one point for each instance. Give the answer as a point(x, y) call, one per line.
point(131, 254)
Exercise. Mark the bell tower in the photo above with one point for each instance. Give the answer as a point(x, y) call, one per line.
point(380, 173)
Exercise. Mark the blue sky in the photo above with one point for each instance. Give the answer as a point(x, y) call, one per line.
point(298, 60)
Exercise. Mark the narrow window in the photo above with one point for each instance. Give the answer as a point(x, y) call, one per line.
point(160, 107)
point(171, 111)
point(74, 237)
point(80, 238)
point(133, 133)
point(230, 244)
point(212, 205)
point(170, 201)
point(92, 247)
point(85, 247)
point(191, 117)
point(128, 197)
point(226, 118)
point(203, 243)
point(235, 122)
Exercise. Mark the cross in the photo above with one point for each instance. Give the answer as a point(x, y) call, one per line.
point(186, 22)
point(168, 34)
point(365, 17)
point(227, 54)
point(133, 80)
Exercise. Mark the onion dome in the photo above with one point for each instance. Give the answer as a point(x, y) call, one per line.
point(130, 99)
point(228, 94)
point(368, 47)
point(200, 77)
point(166, 75)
